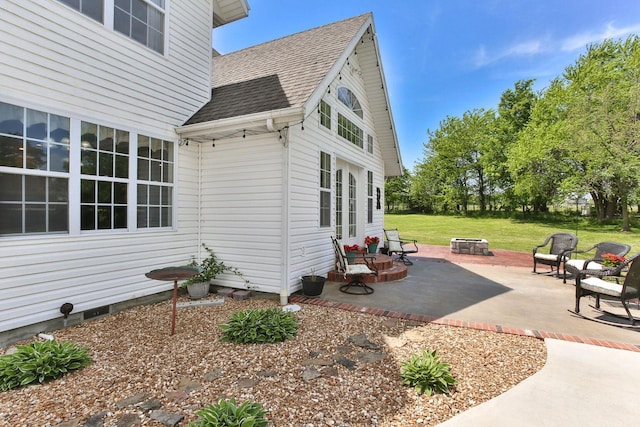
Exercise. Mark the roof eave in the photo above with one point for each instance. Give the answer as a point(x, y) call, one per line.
point(263, 119)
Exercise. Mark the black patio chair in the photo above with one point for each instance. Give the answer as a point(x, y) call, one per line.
point(561, 245)
point(595, 262)
point(592, 282)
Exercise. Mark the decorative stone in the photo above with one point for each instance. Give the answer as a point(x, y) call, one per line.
point(213, 375)
point(129, 420)
point(188, 385)
point(151, 405)
point(310, 373)
point(133, 400)
point(96, 420)
point(247, 383)
point(167, 418)
point(317, 362)
point(349, 364)
point(361, 340)
point(367, 357)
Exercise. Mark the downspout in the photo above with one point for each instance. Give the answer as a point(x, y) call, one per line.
point(286, 253)
point(199, 200)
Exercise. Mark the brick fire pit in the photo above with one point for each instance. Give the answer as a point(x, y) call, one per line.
point(465, 245)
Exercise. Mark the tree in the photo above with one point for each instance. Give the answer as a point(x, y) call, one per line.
point(603, 121)
point(397, 190)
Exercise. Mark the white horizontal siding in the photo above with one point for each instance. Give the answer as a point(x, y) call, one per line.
point(242, 208)
point(54, 55)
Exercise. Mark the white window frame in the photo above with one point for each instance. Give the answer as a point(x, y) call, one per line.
point(324, 219)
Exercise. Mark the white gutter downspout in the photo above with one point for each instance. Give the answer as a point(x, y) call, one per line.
point(199, 201)
point(286, 253)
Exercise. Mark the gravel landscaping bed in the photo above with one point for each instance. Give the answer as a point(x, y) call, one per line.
point(342, 369)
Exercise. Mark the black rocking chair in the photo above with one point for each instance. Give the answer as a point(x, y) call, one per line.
point(591, 282)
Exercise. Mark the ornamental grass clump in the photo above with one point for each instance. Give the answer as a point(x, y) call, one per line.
point(426, 373)
point(226, 413)
point(255, 326)
point(40, 361)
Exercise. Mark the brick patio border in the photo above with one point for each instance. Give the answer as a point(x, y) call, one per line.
point(295, 298)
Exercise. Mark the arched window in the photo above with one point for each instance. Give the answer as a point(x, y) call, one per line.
point(349, 99)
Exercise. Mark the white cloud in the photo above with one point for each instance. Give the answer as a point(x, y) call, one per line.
point(580, 41)
point(529, 48)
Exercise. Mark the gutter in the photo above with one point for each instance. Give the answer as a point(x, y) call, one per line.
point(267, 118)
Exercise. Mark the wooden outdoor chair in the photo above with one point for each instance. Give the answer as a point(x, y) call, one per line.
point(400, 246)
point(561, 245)
point(595, 262)
point(591, 282)
point(354, 272)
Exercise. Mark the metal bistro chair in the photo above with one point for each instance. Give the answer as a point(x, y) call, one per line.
point(591, 282)
point(561, 245)
point(399, 246)
point(594, 263)
point(354, 271)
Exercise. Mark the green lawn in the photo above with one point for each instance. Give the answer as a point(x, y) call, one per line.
point(511, 234)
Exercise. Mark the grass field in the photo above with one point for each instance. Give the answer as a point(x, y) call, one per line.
point(503, 233)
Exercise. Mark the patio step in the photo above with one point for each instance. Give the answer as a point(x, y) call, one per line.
point(388, 271)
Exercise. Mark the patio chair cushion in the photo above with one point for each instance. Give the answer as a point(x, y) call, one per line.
point(578, 264)
point(548, 257)
point(600, 286)
point(358, 269)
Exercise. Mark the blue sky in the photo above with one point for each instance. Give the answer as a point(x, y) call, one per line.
point(444, 57)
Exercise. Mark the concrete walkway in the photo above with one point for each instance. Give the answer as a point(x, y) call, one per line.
point(591, 374)
point(581, 385)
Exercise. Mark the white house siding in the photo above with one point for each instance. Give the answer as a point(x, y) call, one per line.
point(242, 208)
point(56, 60)
point(310, 244)
point(54, 55)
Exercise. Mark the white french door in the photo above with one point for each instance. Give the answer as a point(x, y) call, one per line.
point(347, 195)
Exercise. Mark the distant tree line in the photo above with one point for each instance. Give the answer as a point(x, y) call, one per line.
point(579, 136)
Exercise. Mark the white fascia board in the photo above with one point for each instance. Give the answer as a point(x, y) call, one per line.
point(232, 123)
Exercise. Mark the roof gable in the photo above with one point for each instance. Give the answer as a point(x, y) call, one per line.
point(294, 64)
point(290, 75)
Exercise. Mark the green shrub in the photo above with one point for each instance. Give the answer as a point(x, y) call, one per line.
point(260, 326)
point(427, 373)
point(40, 361)
point(227, 414)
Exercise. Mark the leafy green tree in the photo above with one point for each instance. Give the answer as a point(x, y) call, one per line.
point(455, 156)
point(538, 160)
point(397, 190)
point(514, 113)
point(603, 121)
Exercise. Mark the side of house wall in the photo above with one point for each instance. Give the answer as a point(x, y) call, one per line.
point(56, 60)
point(243, 208)
point(310, 244)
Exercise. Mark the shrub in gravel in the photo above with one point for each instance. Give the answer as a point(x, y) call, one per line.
point(427, 373)
point(253, 326)
point(226, 413)
point(40, 361)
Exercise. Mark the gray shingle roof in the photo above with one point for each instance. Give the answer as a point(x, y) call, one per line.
point(278, 74)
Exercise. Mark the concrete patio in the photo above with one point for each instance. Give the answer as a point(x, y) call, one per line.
point(493, 292)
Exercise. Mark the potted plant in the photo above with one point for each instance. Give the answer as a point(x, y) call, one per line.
point(312, 285)
point(350, 251)
point(210, 267)
point(372, 243)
